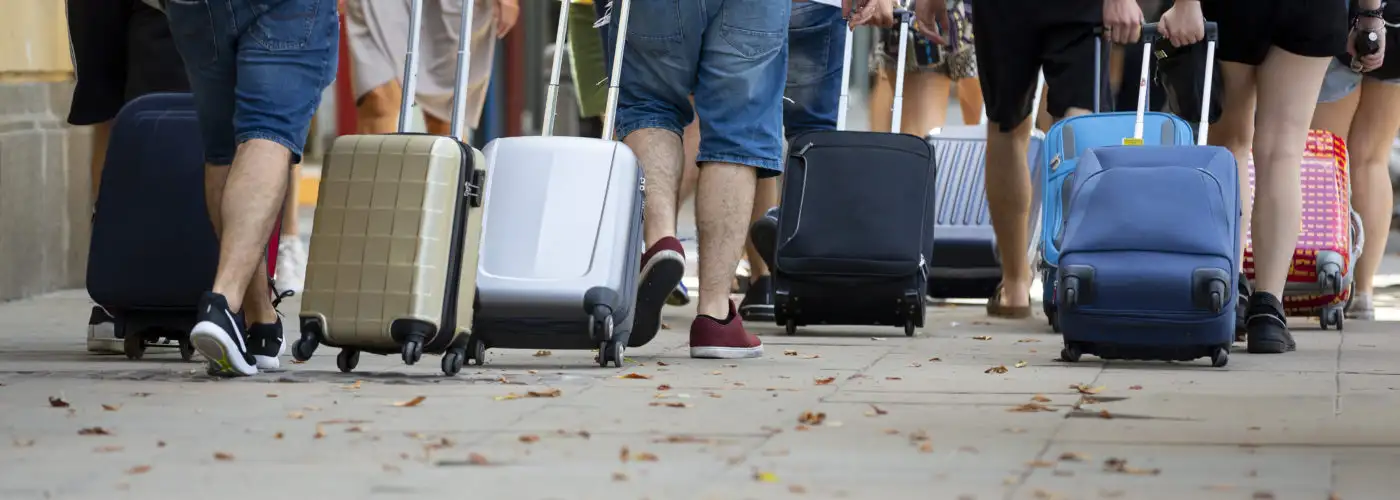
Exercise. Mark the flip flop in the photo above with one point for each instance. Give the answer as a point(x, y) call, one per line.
point(996, 310)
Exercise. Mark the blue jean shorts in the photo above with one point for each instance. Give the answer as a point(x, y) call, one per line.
point(1341, 81)
point(257, 68)
point(730, 54)
point(816, 48)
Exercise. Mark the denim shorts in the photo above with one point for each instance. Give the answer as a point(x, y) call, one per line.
point(257, 68)
point(1341, 81)
point(730, 54)
point(816, 48)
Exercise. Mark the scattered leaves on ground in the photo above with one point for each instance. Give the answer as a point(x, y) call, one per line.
point(546, 393)
point(824, 380)
point(796, 489)
point(140, 394)
point(320, 432)
point(1086, 389)
point(1120, 465)
point(996, 369)
point(57, 402)
point(876, 410)
point(223, 456)
point(1104, 414)
point(790, 352)
point(93, 431)
point(111, 407)
point(1135, 388)
point(1040, 463)
point(354, 386)
point(270, 395)
point(982, 337)
point(140, 469)
point(1021, 364)
point(296, 415)
point(1040, 398)
point(477, 459)
point(529, 438)
point(811, 418)
point(935, 360)
point(1071, 456)
point(542, 353)
point(635, 376)
point(894, 378)
point(108, 449)
point(765, 477)
point(1030, 408)
point(1026, 341)
point(411, 403)
point(645, 456)
point(671, 404)
point(278, 435)
point(624, 455)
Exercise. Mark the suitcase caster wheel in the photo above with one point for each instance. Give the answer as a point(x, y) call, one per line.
point(347, 359)
point(601, 329)
point(476, 350)
point(1220, 356)
point(909, 328)
point(134, 345)
point(412, 352)
point(303, 348)
point(791, 327)
point(1054, 319)
point(610, 352)
point(452, 362)
point(1070, 354)
point(1331, 318)
point(186, 350)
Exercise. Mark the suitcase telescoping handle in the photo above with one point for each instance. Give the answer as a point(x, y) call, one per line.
point(551, 100)
point(410, 67)
point(1151, 35)
point(903, 16)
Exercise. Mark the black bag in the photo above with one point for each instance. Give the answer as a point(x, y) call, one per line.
point(1181, 73)
point(855, 229)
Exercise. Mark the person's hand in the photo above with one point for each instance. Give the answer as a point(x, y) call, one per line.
point(1183, 23)
point(1363, 27)
point(1122, 20)
point(932, 16)
point(872, 12)
point(507, 12)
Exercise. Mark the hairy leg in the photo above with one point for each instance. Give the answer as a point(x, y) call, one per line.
point(253, 194)
point(660, 153)
point(723, 205)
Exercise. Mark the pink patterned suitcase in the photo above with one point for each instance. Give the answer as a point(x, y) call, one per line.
point(1320, 280)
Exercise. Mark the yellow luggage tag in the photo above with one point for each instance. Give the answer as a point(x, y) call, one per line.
point(1132, 141)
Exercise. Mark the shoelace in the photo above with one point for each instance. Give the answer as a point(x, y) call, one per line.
point(277, 296)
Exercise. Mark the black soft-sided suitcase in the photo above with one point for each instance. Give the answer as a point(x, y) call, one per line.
point(855, 229)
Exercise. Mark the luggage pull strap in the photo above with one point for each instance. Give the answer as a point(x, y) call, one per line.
point(903, 16)
point(561, 33)
point(1151, 35)
point(410, 68)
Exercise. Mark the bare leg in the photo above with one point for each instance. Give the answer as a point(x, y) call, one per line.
point(970, 99)
point(253, 193)
point(925, 102)
point(660, 154)
point(1043, 120)
point(690, 171)
point(723, 204)
point(435, 125)
point(881, 99)
point(290, 226)
point(257, 298)
point(765, 197)
point(1235, 129)
point(1288, 85)
point(378, 111)
point(1009, 199)
point(1376, 123)
point(101, 134)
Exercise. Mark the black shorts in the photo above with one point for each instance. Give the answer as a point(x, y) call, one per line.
point(1015, 39)
point(121, 50)
point(1312, 28)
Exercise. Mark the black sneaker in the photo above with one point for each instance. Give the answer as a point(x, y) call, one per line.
point(1267, 327)
point(758, 300)
point(265, 343)
point(764, 234)
point(1242, 308)
point(218, 336)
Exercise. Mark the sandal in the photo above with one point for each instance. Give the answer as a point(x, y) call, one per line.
point(996, 310)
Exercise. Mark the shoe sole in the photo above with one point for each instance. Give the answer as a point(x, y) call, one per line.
point(705, 352)
point(267, 362)
point(1266, 347)
point(106, 346)
point(214, 343)
point(663, 272)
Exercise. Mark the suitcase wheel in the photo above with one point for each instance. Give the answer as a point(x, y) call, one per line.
point(186, 350)
point(791, 326)
point(347, 359)
point(1070, 353)
point(134, 345)
point(1331, 317)
point(909, 327)
point(610, 352)
point(311, 333)
point(1219, 356)
point(453, 360)
point(476, 351)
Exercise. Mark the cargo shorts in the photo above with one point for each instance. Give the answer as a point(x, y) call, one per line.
point(257, 68)
point(730, 54)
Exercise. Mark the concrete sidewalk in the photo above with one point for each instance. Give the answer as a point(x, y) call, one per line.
point(830, 413)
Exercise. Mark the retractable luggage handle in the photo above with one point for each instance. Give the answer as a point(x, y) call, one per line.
point(410, 68)
point(551, 100)
point(1151, 35)
point(903, 16)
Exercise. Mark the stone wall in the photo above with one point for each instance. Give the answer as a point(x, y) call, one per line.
point(44, 184)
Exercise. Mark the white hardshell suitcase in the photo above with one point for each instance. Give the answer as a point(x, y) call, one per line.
point(393, 257)
point(561, 237)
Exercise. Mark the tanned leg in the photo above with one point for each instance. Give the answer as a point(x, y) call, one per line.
point(1009, 199)
point(1376, 123)
point(1235, 129)
point(660, 154)
point(723, 205)
point(378, 111)
point(970, 100)
point(253, 194)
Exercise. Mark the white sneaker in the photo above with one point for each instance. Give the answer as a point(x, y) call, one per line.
point(102, 333)
point(291, 264)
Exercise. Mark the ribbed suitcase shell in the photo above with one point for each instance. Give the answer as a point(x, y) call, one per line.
point(394, 243)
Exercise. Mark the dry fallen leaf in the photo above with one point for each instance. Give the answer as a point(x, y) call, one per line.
point(1104, 414)
point(296, 415)
point(1023, 341)
point(1263, 495)
point(982, 337)
point(160, 444)
point(876, 410)
point(542, 353)
point(93, 431)
point(223, 456)
point(411, 403)
point(790, 352)
point(645, 457)
point(935, 360)
point(765, 477)
point(618, 476)
point(1021, 364)
point(355, 385)
point(926, 447)
point(477, 459)
point(529, 438)
point(636, 376)
point(663, 387)
point(57, 402)
point(111, 407)
point(1071, 456)
point(1040, 463)
point(140, 469)
point(825, 381)
point(1135, 388)
point(547, 393)
point(1014, 430)
point(108, 449)
point(811, 418)
point(277, 436)
point(1040, 398)
point(25, 443)
point(672, 404)
point(1085, 389)
point(1030, 408)
point(996, 369)
point(1120, 465)
point(796, 489)
point(624, 455)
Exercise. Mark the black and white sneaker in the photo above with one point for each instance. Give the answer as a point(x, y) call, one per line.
point(265, 343)
point(1267, 325)
point(218, 336)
